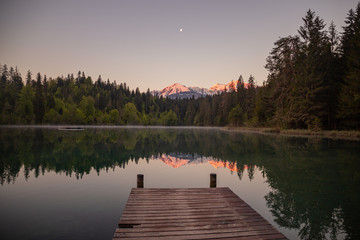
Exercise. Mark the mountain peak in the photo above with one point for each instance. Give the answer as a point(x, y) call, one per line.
point(178, 90)
point(218, 87)
point(173, 89)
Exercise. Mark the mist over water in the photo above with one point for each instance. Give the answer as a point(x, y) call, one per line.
point(59, 184)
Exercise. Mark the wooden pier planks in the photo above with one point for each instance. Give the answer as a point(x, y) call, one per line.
point(191, 213)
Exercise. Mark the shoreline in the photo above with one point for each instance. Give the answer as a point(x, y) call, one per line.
point(331, 134)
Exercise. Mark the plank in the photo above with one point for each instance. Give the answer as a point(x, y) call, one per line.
point(258, 221)
point(185, 227)
point(262, 234)
point(245, 231)
point(191, 213)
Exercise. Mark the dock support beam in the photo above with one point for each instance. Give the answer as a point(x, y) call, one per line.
point(213, 180)
point(140, 181)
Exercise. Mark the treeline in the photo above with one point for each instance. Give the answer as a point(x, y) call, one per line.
point(76, 100)
point(80, 100)
point(313, 83)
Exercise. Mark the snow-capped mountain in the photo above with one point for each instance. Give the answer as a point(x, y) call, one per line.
point(180, 91)
point(231, 86)
point(174, 89)
point(218, 87)
point(203, 91)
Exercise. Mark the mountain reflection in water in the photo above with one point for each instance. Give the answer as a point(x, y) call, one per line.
point(178, 160)
point(314, 182)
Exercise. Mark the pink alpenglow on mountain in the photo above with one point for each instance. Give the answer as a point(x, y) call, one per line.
point(180, 91)
point(218, 87)
point(173, 89)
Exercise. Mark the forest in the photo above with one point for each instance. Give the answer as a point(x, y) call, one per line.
point(313, 83)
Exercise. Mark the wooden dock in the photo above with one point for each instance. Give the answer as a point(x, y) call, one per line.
point(191, 213)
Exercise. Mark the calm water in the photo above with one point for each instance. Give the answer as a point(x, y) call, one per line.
point(74, 184)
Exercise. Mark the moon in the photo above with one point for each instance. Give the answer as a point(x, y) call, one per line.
point(181, 29)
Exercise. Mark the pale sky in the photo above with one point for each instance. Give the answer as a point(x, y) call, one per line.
point(139, 41)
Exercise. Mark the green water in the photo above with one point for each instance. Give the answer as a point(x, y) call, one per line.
point(74, 184)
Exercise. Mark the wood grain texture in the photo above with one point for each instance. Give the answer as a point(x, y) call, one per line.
point(191, 213)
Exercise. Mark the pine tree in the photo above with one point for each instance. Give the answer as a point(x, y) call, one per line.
point(28, 77)
point(78, 79)
point(332, 76)
point(281, 65)
point(3, 82)
point(17, 80)
point(45, 92)
point(349, 99)
point(250, 98)
point(138, 100)
point(259, 111)
point(4, 76)
point(241, 93)
point(39, 108)
point(310, 103)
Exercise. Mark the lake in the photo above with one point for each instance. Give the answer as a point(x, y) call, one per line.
point(58, 184)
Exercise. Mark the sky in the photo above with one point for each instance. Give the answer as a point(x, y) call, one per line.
point(139, 42)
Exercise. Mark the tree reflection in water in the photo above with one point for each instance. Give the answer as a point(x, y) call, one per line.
point(314, 182)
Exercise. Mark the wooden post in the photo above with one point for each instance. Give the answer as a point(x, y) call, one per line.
point(140, 181)
point(213, 180)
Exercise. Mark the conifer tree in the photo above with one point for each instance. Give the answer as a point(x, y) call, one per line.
point(17, 80)
point(4, 76)
point(310, 80)
point(281, 65)
point(39, 108)
point(28, 77)
point(3, 82)
point(332, 76)
point(349, 99)
point(241, 93)
point(250, 97)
